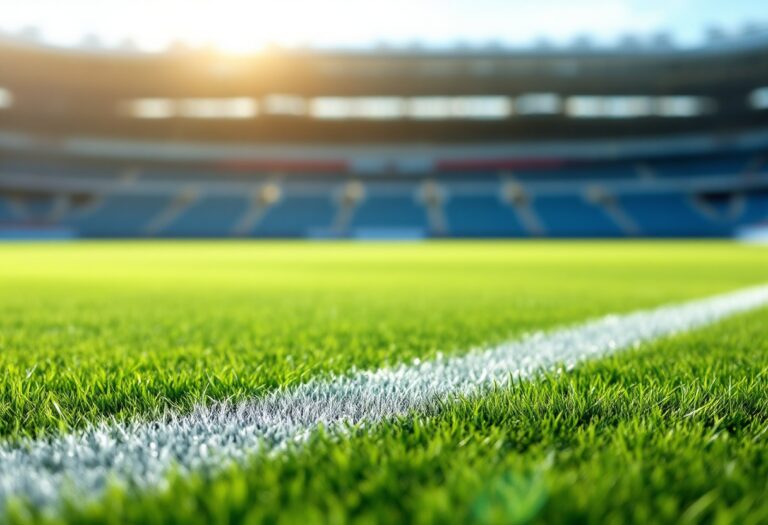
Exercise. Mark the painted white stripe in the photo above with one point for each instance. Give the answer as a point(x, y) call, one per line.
point(141, 454)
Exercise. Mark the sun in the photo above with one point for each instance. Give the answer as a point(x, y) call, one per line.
point(242, 26)
point(232, 26)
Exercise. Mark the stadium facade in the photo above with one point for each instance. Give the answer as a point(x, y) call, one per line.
point(646, 141)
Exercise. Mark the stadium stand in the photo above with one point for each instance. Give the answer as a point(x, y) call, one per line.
point(402, 144)
point(298, 216)
point(689, 200)
point(390, 215)
point(573, 216)
point(116, 216)
point(755, 208)
point(668, 215)
point(482, 215)
point(210, 216)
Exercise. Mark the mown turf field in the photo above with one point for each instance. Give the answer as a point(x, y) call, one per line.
point(673, 431)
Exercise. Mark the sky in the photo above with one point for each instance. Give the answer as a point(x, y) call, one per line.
point(249, 25)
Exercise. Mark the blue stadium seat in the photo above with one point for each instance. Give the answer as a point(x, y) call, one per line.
point(33, 210)
point(118, 216)
point(6, 215)
point(755, 209)
point(722, 205)
point(390, 211)
point(212, 216)
point(669, 215)
point(297, 216)
point(481, 216)
point(38, 209)
point(572, 216)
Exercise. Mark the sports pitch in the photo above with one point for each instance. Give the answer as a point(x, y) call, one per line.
point(135, 335)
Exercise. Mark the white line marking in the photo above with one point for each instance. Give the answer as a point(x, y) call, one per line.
point(141, 454)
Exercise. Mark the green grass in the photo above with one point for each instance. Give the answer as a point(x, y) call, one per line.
point(675, 431)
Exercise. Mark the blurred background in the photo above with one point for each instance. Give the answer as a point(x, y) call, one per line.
point(385, 120)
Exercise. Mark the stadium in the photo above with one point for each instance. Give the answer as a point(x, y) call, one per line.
point(396, 283)
point(630, 141)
